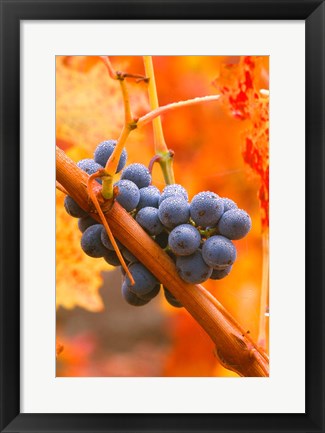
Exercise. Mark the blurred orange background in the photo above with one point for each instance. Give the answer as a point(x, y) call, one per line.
point(100, 334)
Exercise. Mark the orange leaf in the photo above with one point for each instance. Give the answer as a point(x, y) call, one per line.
point(243, 86)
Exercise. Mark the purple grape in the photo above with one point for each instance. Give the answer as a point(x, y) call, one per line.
point(184, 240)
point(128, 195)
point(152, 294)
point(149, 197)
point(132, 298)
point(206, 209)
point(104, 150)
point(174, 211)
point(235, 224)
point(172, 190)
point(106, 241)
point(218, 274)
point(144, 280)
point(193, 269)
point(228, 204)
point(149, 220)
point(85, 222)
point(73, 209)
point(219, 252)
point(91, 243)
point(90, 167)
point(171, 299)
point(111, 258)
point(128, 255)
point(138, 174)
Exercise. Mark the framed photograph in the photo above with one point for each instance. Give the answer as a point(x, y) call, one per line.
point(162, 216)
point(178, 197)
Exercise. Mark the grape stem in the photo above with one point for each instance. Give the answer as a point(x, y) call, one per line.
point(154, 159)
point(164, 157)
point(129, 125)
point(208, 232)
point(149, 117)
point(234, 347)
point(128, 118)
point(159, 139)
point(93, 197)
point(117, 75)
point(109, 67)
point(113, 160)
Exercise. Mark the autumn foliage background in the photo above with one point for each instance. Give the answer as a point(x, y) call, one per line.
point(221, 146)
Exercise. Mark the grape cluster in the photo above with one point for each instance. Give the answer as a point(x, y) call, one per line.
point(197, 235)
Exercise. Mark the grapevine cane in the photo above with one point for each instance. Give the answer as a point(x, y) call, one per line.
point(60, 188)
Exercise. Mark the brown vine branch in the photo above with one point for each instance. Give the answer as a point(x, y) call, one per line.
point(234, 347)
point(119, 75)
point(60, 188)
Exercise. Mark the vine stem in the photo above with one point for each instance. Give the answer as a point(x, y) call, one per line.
point(159, 139)
point(264, 299)
point(164, 156)
point(109, 67)
point(156, 158)
point(93, 197)
point(128, 118)
point(129, 124)
point(112, 163)
point(147, 118)
point(234, 347)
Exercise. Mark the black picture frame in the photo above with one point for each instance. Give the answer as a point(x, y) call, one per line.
point(12, 12)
